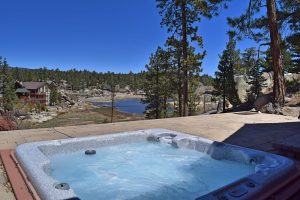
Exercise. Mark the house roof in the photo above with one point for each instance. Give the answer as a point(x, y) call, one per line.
point(22, 90)
point(33, 85)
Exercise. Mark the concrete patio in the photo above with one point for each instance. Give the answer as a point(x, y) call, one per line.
point(253, 130)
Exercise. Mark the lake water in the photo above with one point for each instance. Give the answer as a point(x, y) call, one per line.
point(132, 106)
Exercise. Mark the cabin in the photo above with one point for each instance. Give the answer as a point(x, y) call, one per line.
point(33, 92)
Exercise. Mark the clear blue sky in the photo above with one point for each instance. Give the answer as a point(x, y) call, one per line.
point(97, 35)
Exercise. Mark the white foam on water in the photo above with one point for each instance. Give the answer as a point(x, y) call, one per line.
point(144, 171)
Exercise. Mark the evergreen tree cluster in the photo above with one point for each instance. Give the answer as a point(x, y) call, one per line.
point(225, 74)
point(180, 81)
point(233, 63)
point(164, 81)
point(277, 23)
point(254, 72)
point(80, 79)
point(8, 86)
point(180, 17)
point(158, 84)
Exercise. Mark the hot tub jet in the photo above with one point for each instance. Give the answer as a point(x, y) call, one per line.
point(90, 152)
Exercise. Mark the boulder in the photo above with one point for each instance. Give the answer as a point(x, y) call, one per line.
point(268, 83)
point(203, 89)
point(242, 87)
point(271, 109)
point(287, 99)
point(66, 99)
point(291, 111)
point(228, 105)
point(262, 100)
point(290, 77)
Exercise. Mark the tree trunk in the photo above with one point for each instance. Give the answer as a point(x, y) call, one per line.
point(165, 106)
point(204, 109)
point(224, 92)
point(184, 53)
point(179, 85)
point(157, 95)
point(278, 88)
point(112, 104)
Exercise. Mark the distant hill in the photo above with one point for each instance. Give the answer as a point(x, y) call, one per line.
point(80, 79)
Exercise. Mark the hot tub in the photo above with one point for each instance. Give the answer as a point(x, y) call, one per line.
point(149, 164)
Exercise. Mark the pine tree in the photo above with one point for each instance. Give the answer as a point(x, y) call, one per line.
point(207, 80)
point(9, 95)
point(225, 74)
point(54, 96)
point(180, 17)
point(290, 17)
point(249, 60)
point(286, 59)
point(158, 87)
point(174, 48)
point(294, 42)
point(254, 71)
point(258, 29)
point(194, 62)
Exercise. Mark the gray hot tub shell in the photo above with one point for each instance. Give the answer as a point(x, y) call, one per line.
point(269, 168)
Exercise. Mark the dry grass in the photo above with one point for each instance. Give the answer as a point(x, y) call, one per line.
point(90, 115)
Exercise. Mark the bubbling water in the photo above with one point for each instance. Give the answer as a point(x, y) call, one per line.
point(143, 171)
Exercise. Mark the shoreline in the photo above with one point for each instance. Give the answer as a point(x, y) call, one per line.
point(115, 109)
point(117, 97)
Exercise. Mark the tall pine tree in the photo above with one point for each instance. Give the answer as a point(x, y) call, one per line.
point(158, 85)
point(180, 17)
point(225, 74)
point(264, 27)
point(9, 95)
point(254, 71)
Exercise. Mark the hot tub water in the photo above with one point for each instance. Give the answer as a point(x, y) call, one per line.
point(144, 171)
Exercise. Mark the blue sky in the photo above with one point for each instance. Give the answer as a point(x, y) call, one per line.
point(98, 35)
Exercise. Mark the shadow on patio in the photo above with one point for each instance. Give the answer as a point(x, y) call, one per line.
point(262, 136)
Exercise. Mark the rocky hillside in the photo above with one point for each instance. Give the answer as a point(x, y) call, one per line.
point(262, 103)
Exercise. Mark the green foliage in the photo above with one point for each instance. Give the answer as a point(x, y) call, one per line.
point(9, 96)
point(286, 59)
point(269, 25)
point(294, 42)
point(158, 86)
point(80, 79)
point(53, 96)
point(164, 79)
point(249, 60)
point(225, 74)
point(39, 107)
point(254, 25)
point(194, 99)
point(172, 14)
point(254, 71)
point(194, 62)
point(174, 48)
point(180, 17)
point(207, 80)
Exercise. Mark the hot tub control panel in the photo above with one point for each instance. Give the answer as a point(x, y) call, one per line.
point(240, 190)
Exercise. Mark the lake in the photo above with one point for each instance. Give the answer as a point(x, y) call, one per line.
point(132, 106)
